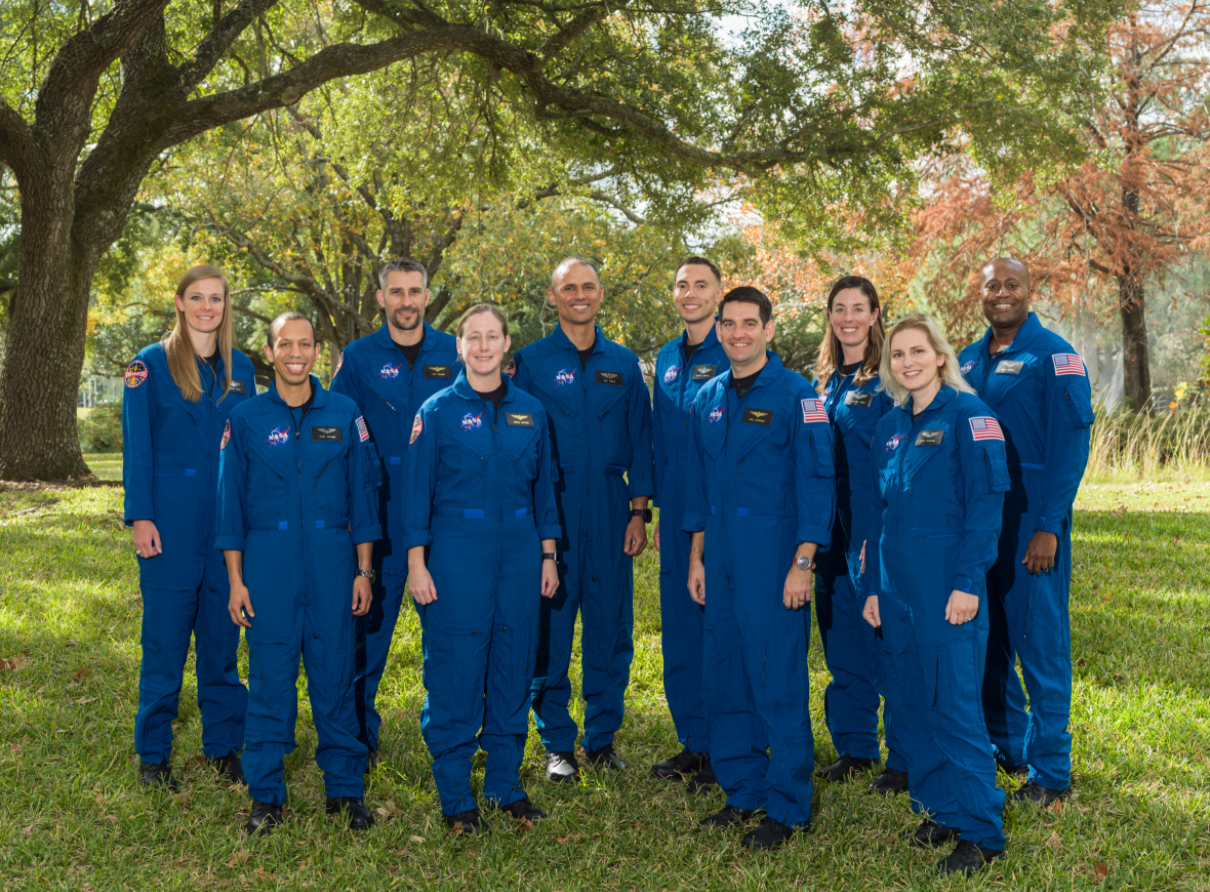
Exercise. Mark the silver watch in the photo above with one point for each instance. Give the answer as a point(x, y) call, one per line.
point(804, 563)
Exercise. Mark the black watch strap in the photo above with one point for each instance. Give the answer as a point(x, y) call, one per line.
point(644, 513)
point(549, 556)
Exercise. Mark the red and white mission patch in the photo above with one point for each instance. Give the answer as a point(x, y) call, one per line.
point(136, 374)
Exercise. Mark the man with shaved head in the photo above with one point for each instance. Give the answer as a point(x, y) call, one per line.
point(599, 413)
point(1038, 386)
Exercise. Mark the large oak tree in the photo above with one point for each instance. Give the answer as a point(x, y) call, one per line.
point(95, 95)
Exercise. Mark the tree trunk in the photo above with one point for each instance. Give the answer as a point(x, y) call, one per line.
point(1136, 366)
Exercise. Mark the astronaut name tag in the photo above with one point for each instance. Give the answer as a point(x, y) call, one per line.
point(757, 416)
point(857, 398)
point(929, 438)
point(437, 371)
point(614, 378)
point(518, 419)
point(704, 372)
point(331, 434)
point(1010, 367)
point(237, 386)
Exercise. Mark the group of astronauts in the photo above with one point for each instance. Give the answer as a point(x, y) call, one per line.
point(924, 498)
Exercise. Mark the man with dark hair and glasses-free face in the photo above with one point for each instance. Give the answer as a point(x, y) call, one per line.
point(682, 369)
point(389, 374)
point(760, 501)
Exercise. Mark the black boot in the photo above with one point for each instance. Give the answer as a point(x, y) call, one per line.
point(681, 765)
point(360, 817)
point(152, 774)
point(845, 769)
point(229, 767)
point(263, 819)
point(702, 781)
point(729, 816)
point(967, 858)
point(1016, 772)
point(371, 760)
point(889, 782)
point(562, 767)
point(770, 834)
point(605, 757)
point(928, 835)
point(523, 810)
point(470, 822)
point(1038, 795)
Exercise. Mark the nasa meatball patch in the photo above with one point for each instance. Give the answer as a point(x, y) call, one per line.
point(136, 374)
point(417, 428)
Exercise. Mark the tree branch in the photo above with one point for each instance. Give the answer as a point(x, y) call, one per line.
point(17, 148)
point(216, 44)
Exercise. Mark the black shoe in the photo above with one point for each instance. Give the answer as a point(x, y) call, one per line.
point(605, 757)
point(729, 816)
point(889, 782)
point(157, 775)
point(371, 760)
point(702, 781)
point(263, 819)
point(229, 767)
point(928, 835)
point(845, 769)
point(681, 766)
point(769, 834)
point(1038, 795)
point(523, 810)
point(967, 858)
point(471, 823)
point(562, 767)
point(360, 817)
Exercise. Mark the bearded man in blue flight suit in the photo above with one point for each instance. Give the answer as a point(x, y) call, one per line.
point(760, 502)
point(682, 368)
point(599, 412)
point(297, 522)
point(389, 374)
point(1038, 387)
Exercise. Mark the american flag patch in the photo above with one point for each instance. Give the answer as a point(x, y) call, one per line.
point(813, 410)
point(361, 429)
point(1068, 364)
point(985, 428)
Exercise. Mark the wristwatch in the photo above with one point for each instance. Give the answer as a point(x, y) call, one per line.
point(549, 556)
point(644, 513)
point(804, 563)
point(368, 574)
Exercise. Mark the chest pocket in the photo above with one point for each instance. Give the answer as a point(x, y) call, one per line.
point(606, 388)
point(929, 447)
point(748, 440)
point(1021, 377)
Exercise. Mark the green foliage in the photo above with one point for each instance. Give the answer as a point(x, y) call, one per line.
point(100, 429)
point(1172, 444)
point(69, 622)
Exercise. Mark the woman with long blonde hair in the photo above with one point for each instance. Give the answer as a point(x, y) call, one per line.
point(178, 395)
point(940, 475)
point(847, 377)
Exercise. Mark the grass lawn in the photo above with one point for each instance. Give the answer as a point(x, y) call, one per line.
point(106, 465)
point(73, 817)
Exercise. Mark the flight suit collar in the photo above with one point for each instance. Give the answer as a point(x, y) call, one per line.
point(462, 387)
point(562, 341)
point(1029, 332)
point(384, 341)
point(319, 400)
point(711, 340)
point(943, 397)
point(770, 371)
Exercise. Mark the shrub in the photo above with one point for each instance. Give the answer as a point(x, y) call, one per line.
point(100, 429)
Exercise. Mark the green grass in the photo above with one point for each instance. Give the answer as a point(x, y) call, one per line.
point(72, 816)
point(106, 465)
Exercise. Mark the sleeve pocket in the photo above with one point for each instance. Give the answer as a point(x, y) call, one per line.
point(821, 445)
point(995, 468)
point(1079, 408)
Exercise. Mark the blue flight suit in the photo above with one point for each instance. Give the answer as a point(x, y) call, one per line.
point(677, 382)
point(481, 497)
point(600, 429)
point(853, 650)
point(170, 460)
point(298, 489)
point(941, 478)
point(759, 483)
point(374, 374)
point(1039, 389)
